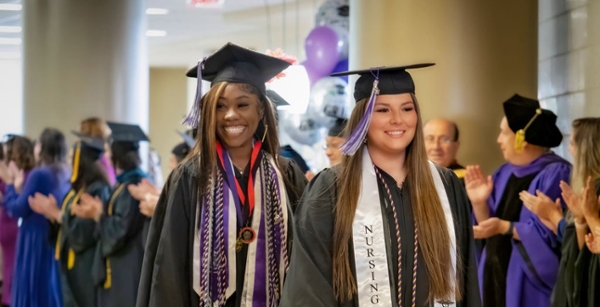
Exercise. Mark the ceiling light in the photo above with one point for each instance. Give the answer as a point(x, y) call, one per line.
point(10, 41)
point(156, 33)
point(10, 7)
point(10, 29)
point(9, 55)
point(156, 11)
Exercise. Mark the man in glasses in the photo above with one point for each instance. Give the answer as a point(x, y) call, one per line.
point(441, 143)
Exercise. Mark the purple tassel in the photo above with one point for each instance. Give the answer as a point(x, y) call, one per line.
point(193, 118)
point(357, 137)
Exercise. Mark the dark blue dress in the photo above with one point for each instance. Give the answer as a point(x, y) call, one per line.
point(36, 278)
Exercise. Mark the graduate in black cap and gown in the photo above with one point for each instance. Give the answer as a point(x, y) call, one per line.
point(181, 150)
point(385, 227)
point(121, 227)
point(520, 260)
point(221, 232)
point(75, 238)
point(287, 150)
point(335, 139)
point(145, 191)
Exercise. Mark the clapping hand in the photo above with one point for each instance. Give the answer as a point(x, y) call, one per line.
point(572, 200)
point(490, 227)
point(46, 206)
point(148, 205)
point(589, 200)
point(478, 187)
point(550, 212)
point(88, 208)
point(18, 176)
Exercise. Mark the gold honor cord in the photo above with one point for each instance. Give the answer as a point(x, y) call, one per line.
point(108, 281)
point(520, 137)
point(71, 253)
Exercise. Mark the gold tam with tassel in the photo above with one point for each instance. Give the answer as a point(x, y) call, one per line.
point(520, 135)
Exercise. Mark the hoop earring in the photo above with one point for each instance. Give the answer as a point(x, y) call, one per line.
point(265, 133)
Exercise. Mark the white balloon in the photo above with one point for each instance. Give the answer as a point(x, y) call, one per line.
point(334, 13)
point(302, 128)
point(329, 99)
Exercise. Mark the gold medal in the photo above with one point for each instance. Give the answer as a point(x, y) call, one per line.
point(247, 235)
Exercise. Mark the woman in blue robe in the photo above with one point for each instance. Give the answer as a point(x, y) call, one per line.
point(36, 279)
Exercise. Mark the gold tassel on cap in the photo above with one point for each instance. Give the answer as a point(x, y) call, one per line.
point(71, 259)
point(520, 135)
point(76, 158)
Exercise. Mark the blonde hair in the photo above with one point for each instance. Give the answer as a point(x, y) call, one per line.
point(95, 127)
point(586, 163)
point(434, 241)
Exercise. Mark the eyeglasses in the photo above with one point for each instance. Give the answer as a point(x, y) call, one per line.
point(443, 139)
point(333, 146)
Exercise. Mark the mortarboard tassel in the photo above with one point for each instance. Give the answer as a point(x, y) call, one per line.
point(193, 118)
point(357, 137)
point(71, 259)
point(76, 158)
point(520, 135)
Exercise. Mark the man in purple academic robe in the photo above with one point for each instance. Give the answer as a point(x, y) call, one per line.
point(519, 263)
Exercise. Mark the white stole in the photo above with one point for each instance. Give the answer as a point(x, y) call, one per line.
point(370, 254)
point(232, 240)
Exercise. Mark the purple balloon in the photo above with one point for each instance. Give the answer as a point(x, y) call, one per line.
point(313, 76)
point(322, 50)
point(340, 67)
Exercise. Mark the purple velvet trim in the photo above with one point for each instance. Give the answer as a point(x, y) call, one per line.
point(193, 118)
point(259, 297)
point(233, 187)
point(357, 137)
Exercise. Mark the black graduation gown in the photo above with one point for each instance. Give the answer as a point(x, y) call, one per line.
point(309, 280)
point(121, 247)
point(579, 272)
point(78, 288)
point(167, 270)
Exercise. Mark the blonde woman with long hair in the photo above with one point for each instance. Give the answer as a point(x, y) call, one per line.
point(220, 234)
point(578, 275)
point(386, 227)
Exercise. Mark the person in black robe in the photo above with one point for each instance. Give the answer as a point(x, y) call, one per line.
point(203, 243)
point(121, 227)
point(74, 237)
point(390, 138)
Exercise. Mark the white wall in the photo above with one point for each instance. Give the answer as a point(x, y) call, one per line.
point(11, 96)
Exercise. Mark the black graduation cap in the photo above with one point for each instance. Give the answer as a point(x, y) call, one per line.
point(236, 64)
point(93, 144)
point(338, 127)
point(9, 136)
point(187, 139)
point(182, 149)
point(276, 99)
point(392, 80)
point(372, 82)
point(86, 146)
point(126, 132)
point(531, 123)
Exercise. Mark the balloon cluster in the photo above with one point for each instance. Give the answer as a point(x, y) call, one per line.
point(326, 49)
